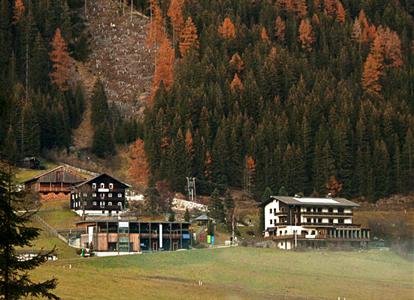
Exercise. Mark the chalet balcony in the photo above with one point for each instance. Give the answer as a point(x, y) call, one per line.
point(331, 214)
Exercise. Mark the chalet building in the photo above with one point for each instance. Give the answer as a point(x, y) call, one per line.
point(101, 195)
point(134, 236)
point(312, 222)
point(53, 184)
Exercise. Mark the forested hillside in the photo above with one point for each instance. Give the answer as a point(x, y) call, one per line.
point(42, 96)
point(40, 101)
point(283, 94)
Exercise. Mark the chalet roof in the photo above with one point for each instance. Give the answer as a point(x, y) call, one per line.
point(311, 201)
point(101, 175)
point(68, 176)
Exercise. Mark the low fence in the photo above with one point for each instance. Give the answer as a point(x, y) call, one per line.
point(49, 228)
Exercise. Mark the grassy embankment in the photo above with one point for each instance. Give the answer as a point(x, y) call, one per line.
point(242, 273)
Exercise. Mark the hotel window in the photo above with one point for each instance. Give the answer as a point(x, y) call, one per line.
point(119, 195)
point(270, 210)
point(94, 185)
point(94, 203)
point(102, 185)
point(110, 195)
point(94, 195)
point(102, 203)
point(85, 195)
point(271, 221)
point(84, 203)
point(110, 203)
point(274, 221)
point(102, 196)
point(119, 203)
point(281, 232)
point(111, 186)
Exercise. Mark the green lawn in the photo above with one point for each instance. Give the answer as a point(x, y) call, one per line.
point(235, 273)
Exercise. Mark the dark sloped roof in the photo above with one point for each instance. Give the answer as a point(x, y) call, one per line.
point(101, 175)
point(311, 201)
point(58, 174)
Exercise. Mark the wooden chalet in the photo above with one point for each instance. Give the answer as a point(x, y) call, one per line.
point(101, 195)
point(56, 183)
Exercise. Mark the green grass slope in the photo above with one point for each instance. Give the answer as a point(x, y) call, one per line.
point(235, 273)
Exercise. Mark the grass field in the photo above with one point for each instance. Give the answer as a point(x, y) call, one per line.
point(235, 273)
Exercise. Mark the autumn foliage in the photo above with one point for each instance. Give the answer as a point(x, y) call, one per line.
point(61, 62)
point(333, 187)
point(164, 69)
point(264, 36)
point(176, 15)
point(385, 52)
point(306, 35)
point(236, 62)
point(156, 30)
point(236, 84)
point(139, 169)
point(280, 28)
point(227, 29)
point(18, 10)
point(188, 38)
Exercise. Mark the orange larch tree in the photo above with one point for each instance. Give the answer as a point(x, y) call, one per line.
point(306, 35)
point(175, 12)
point(333, 186)
point(164, 69)
point(330, 7)
point(264, 36)
point(236, 62)
point(189, 37)
point(340, 12)
point(18, 10)
point(227, 29)
point(236, 84)
point(356, 31)
point(156, 30)
point(391, 46)
point(61, 62)
point(280, 28)
point(139, 169)
point(373, 69)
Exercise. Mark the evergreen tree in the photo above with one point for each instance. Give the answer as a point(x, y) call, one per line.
point(216, 207)
point(264, 199)
point(15, 282)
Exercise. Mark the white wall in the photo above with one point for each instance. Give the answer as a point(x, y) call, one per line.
point(274, 205)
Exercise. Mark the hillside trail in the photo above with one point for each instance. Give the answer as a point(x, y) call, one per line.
point(83, 135)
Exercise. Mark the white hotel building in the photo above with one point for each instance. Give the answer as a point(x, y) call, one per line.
point(312, 222)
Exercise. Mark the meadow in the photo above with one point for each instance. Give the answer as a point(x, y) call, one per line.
point(235, 273)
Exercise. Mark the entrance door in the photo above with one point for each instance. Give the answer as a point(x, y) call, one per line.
point(175, 246)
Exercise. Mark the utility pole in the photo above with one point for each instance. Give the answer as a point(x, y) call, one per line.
point(132, 6)
point(86, 15)
point(191, 187)
point(232, 228)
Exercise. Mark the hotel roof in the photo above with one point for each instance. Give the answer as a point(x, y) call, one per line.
point(309, 201)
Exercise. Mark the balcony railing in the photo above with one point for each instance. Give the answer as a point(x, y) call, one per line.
point(333, 214)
